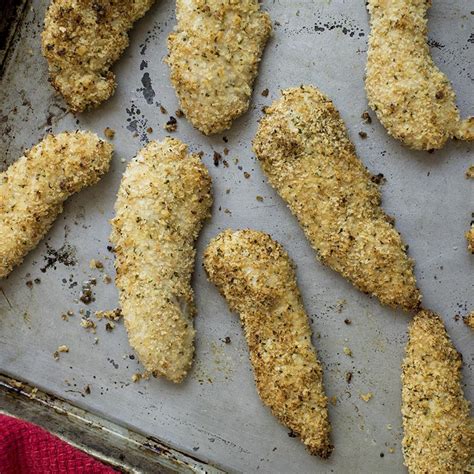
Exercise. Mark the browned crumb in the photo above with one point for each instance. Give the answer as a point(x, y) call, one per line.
point(81, 40)
point(111, 315)
point(217, 157)
point(88, 324)
point(265, 92)
point(96, 264)
point(256, 276)
point(136, 377)
point(438, 430)
point(62, 348)
point(304, 150)
point(163, 110)
point(179, 113)
point(469, 320)
point(412, 98)
point(214, 54)
point(109, 133)
point(246, 175)
point(171, 125)
point(470, 172)
point(259, 198)
point(149, 130)
point(109, 326)
point(162, 203)
point(34, 188)
point(366, 117)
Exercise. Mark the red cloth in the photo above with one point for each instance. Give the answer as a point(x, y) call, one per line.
point(28, 449)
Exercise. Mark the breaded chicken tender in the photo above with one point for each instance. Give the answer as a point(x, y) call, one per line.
point(304, 150)
point(163, 200)
point(412, 98)
point(34, 188)
point(213, 56)
point(256, 276)
point(81, 40)
point(438, 430)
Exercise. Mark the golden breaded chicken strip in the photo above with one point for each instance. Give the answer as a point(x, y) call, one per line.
point(412, 98)
point(81, 40)
point(163, 200)
point(438, 431)
point(34, 188)
point(304, 150)
point(256, 276)
point(213, 56)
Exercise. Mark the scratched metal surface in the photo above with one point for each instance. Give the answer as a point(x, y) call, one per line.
point(216, 414)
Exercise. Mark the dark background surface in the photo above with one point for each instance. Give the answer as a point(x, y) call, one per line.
point(10, 11)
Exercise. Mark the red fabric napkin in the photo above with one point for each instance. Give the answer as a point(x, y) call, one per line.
point(28, 449)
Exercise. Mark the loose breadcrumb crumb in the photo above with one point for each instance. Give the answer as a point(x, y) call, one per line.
point(109, 133)
point(366, 396)
point(136, 377)
point(256, 276)
point(88, 324)
point(470, 172)
point(96, 265)
point(111, 315)
point(470, 239)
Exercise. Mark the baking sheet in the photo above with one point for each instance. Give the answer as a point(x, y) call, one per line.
point(216, 415)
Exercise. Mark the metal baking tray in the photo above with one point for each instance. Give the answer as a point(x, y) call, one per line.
point(215, 417)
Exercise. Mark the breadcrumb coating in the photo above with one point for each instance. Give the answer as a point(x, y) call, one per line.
point(470, 232)
point(438, 430)
point(256, 276)
point(81, 41)
point(34, 188)
point(163, 200)
point(469, 320)
point(304, 150)
point(214, 54)
point(470, 239)
point(412, 98)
